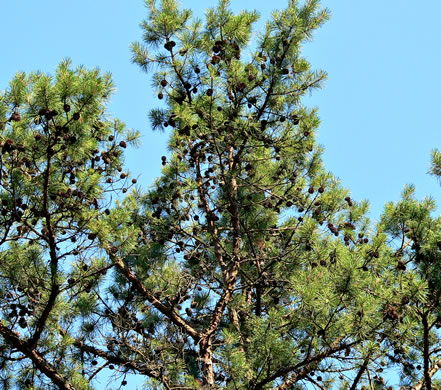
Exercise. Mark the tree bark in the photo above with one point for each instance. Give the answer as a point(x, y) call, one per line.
point(208, 368)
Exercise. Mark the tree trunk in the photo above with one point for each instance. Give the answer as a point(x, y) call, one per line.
point(207, 363)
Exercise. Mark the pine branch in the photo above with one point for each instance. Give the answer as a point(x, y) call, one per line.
point(31, 353)
point(167, 311)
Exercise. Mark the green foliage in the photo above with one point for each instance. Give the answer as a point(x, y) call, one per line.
point(246, 265)
point(60, 155)
point(244, 193)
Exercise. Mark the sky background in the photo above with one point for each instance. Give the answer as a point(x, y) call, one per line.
point(380, 108)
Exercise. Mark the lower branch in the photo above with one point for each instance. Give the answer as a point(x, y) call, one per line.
point(13, 338)
point(360, 373)
point(169, 312)
point(282, 372)
point(142, 369)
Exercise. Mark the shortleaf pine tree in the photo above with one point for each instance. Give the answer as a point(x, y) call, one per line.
point(415, 236)
point(263, 262)
point(60, 155)
point(246, 265)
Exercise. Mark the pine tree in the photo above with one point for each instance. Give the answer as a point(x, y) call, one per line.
point(270, 250)
point(246, 265)
point(60, 154)
point(415, 236)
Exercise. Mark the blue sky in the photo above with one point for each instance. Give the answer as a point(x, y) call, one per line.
point(380, 108)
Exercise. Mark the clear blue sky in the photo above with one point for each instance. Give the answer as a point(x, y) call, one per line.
point(380, 109)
